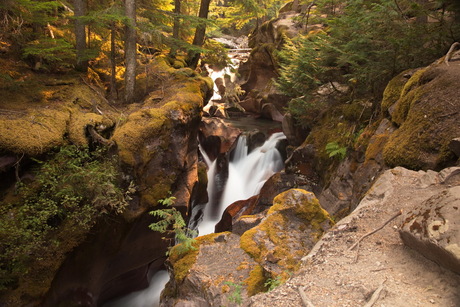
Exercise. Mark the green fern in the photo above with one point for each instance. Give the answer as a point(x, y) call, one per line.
point(334, 149)
point(171, 217)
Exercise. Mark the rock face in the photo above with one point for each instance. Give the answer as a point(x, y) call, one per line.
point(433, 228)
point(226, 269)
point(427, 120)
point(417, 129)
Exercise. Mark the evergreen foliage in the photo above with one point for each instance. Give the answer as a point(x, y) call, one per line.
point(364, 45)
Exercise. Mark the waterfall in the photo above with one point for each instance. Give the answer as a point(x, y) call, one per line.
point(247, 172)
point(149, 297)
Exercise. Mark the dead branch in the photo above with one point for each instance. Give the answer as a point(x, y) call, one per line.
point(97, 137)
point(375, 230)
point(306, 302)
point(375, 296)
point(449, 53)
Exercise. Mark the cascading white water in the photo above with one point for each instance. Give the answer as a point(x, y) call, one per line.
point(149, 297)
point(246, 175)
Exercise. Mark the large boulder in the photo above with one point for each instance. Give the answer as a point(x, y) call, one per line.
point(425, 111)
point(433, 228)
point(225, 269)
point(293, 225)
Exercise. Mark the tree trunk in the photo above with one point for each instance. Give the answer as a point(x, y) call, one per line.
point(113, 64)
point(176, 27)
point(200, 32)
point(177, 11)
point(130, 50)
point(80, 35)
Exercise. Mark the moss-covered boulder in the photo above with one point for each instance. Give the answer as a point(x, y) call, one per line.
point(225, 269)
point(427, 115)
point(291, 228)
point(216, 273)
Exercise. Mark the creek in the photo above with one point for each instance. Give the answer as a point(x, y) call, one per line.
point(247, 172)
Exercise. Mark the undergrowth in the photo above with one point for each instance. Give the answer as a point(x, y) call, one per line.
point(69, 193)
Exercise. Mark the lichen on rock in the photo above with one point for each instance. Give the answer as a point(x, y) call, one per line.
point(293, 225)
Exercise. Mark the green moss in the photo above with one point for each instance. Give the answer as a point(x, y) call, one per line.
point(79, 120)
point(376, 146)
point(306, 206)
point(427, 121)
point(408, 96)
point(36, 133)
point(393, 91)
point(256, 281)
point(272, 235)
point(183, 262)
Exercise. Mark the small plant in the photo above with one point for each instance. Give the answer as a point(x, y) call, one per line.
point(172, 217)
point(272, 283)
point(235, 296)
point(334, 149)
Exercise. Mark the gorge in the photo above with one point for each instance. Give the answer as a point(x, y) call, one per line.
point(286, 165)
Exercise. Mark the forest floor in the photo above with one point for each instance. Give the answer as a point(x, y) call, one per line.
point(381, 271)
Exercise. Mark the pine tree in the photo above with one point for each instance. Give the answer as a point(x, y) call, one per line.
point(130, 50)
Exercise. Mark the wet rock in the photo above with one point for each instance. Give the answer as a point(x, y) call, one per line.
point(217, 127)
point(294, 134)
point(433, 229)
point(234, 211)
point(269, 111)
point(454, 145)
point(255, 138)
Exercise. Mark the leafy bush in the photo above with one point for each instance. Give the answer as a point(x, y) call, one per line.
point(73, 189)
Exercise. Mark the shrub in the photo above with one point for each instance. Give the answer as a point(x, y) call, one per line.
point(72, 189)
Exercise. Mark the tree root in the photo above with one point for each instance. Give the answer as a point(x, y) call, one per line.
point(306, 302)
point(449, 53)
point(375, 296)
point(375, 230)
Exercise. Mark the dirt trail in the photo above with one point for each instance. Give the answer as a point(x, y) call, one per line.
point(333, 275)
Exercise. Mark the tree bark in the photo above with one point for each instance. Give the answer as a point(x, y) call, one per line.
point(113, 64)
point(176, 27)
point(200, 33)
point(130, 50)
point(80, 35)
point(177, 11)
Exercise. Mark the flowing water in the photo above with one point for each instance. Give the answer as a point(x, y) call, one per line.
point(247, 172)
point(149, 297)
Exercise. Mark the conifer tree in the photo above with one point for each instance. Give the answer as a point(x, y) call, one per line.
point(80, 34)
point(130, 50)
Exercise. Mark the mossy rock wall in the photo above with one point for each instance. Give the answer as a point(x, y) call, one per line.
point(156, 141)
point(427, 116)
point(51, 115)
